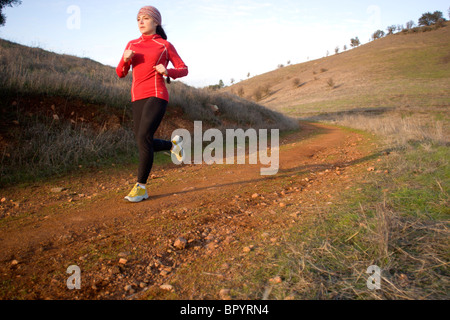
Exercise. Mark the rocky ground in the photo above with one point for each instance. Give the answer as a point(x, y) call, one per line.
point(196, 237)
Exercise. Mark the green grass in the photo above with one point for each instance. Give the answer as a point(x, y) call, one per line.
point(398, 222)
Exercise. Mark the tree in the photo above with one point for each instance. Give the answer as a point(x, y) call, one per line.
point(391, 29)
point(336, 50)
point(355, 42)
point(8, 3)
point(378, 34)
point(428, 18)
point(410, 24)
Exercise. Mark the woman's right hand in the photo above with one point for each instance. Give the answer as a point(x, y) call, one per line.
point(128, 55)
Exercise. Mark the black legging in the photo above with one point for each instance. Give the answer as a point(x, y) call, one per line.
point(147, 115)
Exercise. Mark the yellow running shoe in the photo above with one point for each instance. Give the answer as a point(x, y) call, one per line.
point(177, 149)
point(137, 194)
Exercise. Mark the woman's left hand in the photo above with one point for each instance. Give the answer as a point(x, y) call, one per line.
point(161, 69)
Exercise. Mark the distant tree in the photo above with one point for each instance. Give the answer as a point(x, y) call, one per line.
point(248, 75)
point(400, 27)
point(410, 24)
point(288, 62)
point(4, 3)
point(232, 80)
point(428, 18)
point(391, 29)
point(217, 86)
point(378, 34)
point(336, 50)
point(345, 47)
point(355, 42)
point(448, 12)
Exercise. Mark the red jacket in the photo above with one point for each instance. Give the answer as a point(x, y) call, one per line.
point(151, 51)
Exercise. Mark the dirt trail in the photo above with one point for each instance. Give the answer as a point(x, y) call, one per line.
point(128, 250)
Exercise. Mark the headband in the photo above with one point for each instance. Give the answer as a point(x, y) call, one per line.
point(152, 12)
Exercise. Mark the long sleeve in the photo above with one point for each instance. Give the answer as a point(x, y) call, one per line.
point(150, 51)
point(180, 69)
point(123, 67)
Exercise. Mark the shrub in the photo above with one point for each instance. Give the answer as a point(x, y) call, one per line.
point(331, 83)
point(428, 18)
point(378, 34)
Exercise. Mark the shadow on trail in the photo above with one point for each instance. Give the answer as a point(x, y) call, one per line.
point(282, 173)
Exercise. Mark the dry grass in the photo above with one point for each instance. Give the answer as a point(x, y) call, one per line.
point(378, 74)
point(41, 72)
point(43, 147)
point(396, 89)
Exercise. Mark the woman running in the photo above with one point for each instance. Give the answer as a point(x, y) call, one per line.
point(149, 55)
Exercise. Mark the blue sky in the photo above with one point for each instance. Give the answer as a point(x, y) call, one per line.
point(217, 39)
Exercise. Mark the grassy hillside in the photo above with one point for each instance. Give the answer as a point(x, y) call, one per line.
point(400, 70)
point(61, 112)
point(395, 90)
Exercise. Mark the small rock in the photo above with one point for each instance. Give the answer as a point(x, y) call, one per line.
point(255, 195)
point(3, 200)
point(224, 294)
point(180, 243)
point(129, 288)
point(295, 214)
point(167, 287)
point(123, 261)
point(225, 266)
point(14, 262)
point(164, 273)
point(277, 279)
point(57, 190)
point(248, 249)
point(282, 205)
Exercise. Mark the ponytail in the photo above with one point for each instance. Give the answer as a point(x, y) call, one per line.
point(160, 31)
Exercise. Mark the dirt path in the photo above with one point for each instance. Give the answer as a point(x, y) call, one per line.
point(223, 213)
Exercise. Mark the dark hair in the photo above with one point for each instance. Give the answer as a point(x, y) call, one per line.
point(161, 32)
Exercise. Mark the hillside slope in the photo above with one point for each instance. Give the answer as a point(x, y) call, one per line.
point(79, 112)
point(371, 75)
point(33, 71)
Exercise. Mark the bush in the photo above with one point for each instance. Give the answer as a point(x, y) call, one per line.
point(378, 34)
point(428, 18)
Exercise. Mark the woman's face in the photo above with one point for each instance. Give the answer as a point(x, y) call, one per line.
point(146, 25)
